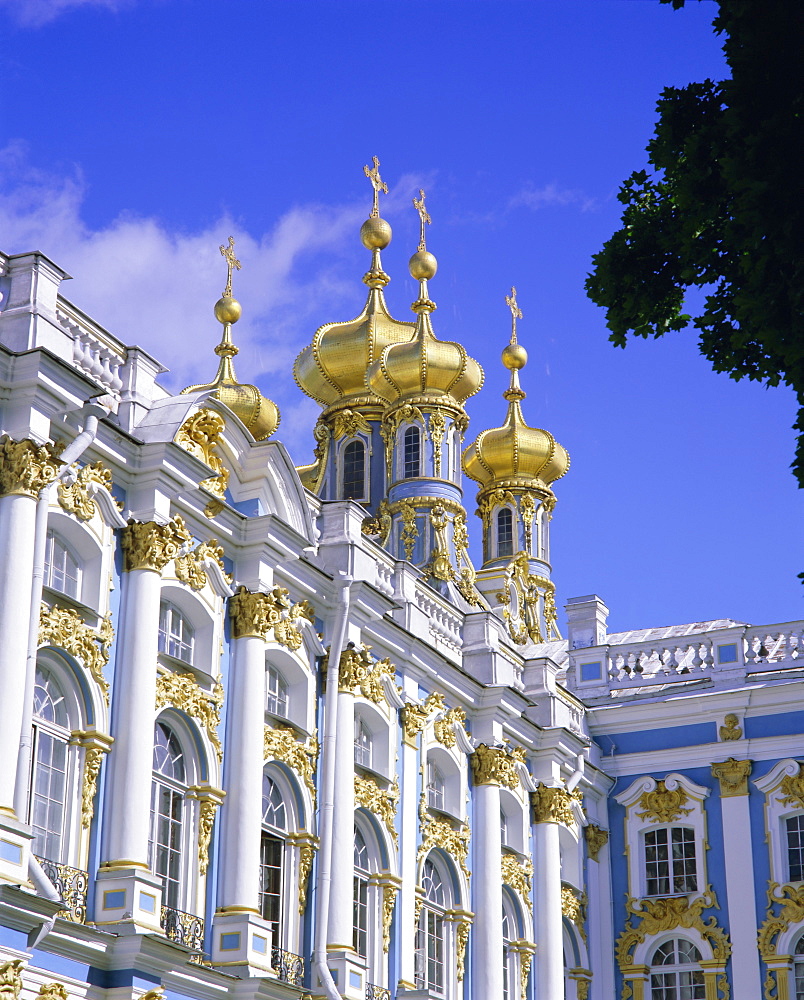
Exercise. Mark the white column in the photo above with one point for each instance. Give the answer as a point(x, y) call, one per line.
point(413, 719)
point(738, 857)
point(342, 890)
point(549, 960)
point(487, 937)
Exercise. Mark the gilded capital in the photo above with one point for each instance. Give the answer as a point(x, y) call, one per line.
point(26, 467)
point(551, 805)
point(11, 979)
point(413, 719)
point(495, 766)
point(249, 612)
point(733, 776)
point(151, 546)
point(596, 838)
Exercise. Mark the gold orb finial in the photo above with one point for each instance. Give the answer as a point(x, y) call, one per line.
point(514, 357)
point(228, 310)
point(375, 233)
point(423, 265)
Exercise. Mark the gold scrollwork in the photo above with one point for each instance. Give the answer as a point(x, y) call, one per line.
point(348, 423)
point(414, 718)
point(496, 766)
point(151, 546)
point(307, 849)
point(527, 508)
point(208, 801)
point(65, 628)
point(443, 728)
point(372, 686)
point(440, 566)
point(183, 692)
point(733, 776)
point(438, 425)
point(519, 876)
point(27, 467)
point(389, 893)
point(52, 991)
point(77, 497)
point(492, 499)
point(381, 802)
point(731, 729)
point(11, 979)
point(281, 743)
point(390, 425)
point(312, 475)
point(553, 805)
point(596, 838)
point(462, 936)
point(573, 906)
point(96, 746)
point(379, 527)
point(354, 667)
point(257, 614)
point(525, 959)
point(190, 567)
point(410, 529)
point(439, 832)
point(527, 588)
point(792, 788)
point(200, 435)
point(790, 900)
point(663, 805)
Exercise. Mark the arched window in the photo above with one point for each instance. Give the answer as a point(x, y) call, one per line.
point(364, 743)
point(411, 456)
point(509, 957)
point(798, 967)
point(272, 851)
point(167, 814)
point(505, 532)
point(435, 786)
point(62, 571)
point(176, 634)
point(48, 797)
point(360, 920)
point(675, 972)
point(431, 964)
point(276, 693)
point(354, 471)
point(795, 848)
point(670, 865)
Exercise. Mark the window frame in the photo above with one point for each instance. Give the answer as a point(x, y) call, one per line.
point(177, 790)
point(676, 969)
point(434, 944)
point(55, 539)
point(58, 733)
point(672, 875)
point(363, 496)
point(502, 549)
point(169, 609)
point(274, 832)
point(406, 463)
point(279, 700)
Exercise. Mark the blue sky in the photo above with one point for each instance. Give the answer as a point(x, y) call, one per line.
point(135, 135)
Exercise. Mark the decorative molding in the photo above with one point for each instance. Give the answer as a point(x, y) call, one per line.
point(414, 718)
point(462, 936)
point(52, 991)
point(496, 765)
point(281, 743)
point(307, 849)
point(379, 527)
point(96, 746)
point(209, 799)
point(11, 979)
point(596, 837)
point(151, 546)
point(518, 874)
point(553, 805)
point(77, 494)
point(439, 832)
point(381, 802)
point(520, 597)
point(410, 530)
point(438, 425)
point(389, 893)
point(439, 566)
point(444, 727)
point(573, 907)
point(731, 730)
point(183, 692)
point(390, 425)
point(348, 423)
point(27, 467)
point(792, 790)
point(200, 435)
point(190, 568)
point(663, 805)
point(733, 776)
point(66, 629)
point(525, 959)
point(790, 900)
point(255, 614)
point(372, 686)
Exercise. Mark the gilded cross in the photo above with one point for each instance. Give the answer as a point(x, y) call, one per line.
point(377, 183)
point(418, 204)
point(231, 262)
point(516, 312)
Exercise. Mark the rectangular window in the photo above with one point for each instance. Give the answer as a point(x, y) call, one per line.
point(795, 848)
point(175, 633)
point(165, 846)
point(277, 693)
point(435, 787)
point(362, 744)
point(670, 867)
point(271, 878)
point(727, 653)
point(591, 671)
point(412, 451)
point(61, 569)
point(360, 917)
point(430, 952)
point(48, 795)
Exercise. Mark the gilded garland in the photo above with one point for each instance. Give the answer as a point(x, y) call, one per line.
point(496, 766)
point(200, 435)
point(11, 979)
point(281, 743)
point(553, 805)
point(379, 801)
point(663, 805)
point(182, 691)
point(190, 568)
point(76, 495)
point(439, 832)
point(66, 629)
point(573, 907)
point(518, 874)
point(151, 546)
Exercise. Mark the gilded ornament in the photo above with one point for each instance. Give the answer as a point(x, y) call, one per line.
point(496, 766)
point(582, 989)
point(379, 801)
point(27, 467)
point(389, 892)
point(372, 685)
point(390, 425)
point(523, 589)
point(281, 743)
point(11, 979)
point(663, 805)
point(410, 530)
point(439, 832)
point(213, 508)
point(354, 668)
point(494, 498)
point(348, 423)
point(93, 758)
point(306, 855)
point(733, 776)
point(440, 566)
point(792, 789)
point(52, 991)
point(525, 959)
point(462, 935)
point(443, 727)
point(519, 876)
point(155, 994)
point(413, 718)
point(76, 495)
point(190, 567)
point(257, 615)
point(183, 692)
point(573, 906)
point(553, 805)
point(206, 818)
point(460, 534)
point(731, 729)
point(527, 508)
point(66, 629)
point(151, 546)
point(790, 900)
point(379, 527)
point(377, 183)
point(437, 427)
point(596, 837)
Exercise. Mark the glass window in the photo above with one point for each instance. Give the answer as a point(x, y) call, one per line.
point(505, 532)
point(361, 877)
point(175, 633)
point(354, 471)
point(48, 793)
point(363, 743)
point(61, 567)
point(412, 453)
point(430, 933)
point(795, 848)
point(503, 828)
point(670, 867)
point(167, 813)
point(509, 958)
point(435, 786)
point(798, 968)
point(673, 973)
point(272, 851)
point(277, 693)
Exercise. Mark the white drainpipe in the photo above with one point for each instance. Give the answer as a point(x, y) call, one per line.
point(577, 774)
point(327, 792)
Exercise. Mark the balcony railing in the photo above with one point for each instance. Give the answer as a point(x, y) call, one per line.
point(289, 968)
point(72, 885)
point(377, 992)
point(183, 928)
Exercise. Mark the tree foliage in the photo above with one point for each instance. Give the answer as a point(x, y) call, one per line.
point(721, 209)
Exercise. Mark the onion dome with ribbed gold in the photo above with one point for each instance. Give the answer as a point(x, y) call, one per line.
point(259, 414)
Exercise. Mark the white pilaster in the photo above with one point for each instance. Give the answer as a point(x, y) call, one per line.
point(412, 722)
point(487, 938)
point(341, 893)
point(549, 960)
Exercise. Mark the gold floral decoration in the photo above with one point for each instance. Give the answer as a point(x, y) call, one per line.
point(524, 589)
point(414, 718)
point(792, 787)
point(209, 800)
point(525, 959)
point(443, 728)
point(596, 838)
point(183, 692)
point(190, 567)
point(733, 776)
point(496, 766)
point(151, 546)
point(663, 805)
point(77, 497)
point(66, 629)
point(200, 435)
point(731, 729)
point(379, 527)
point(390, 425)
point(518, 874)
point(437, 427)
point(790, 901)
point(462, 934)
point(306, 854)
point(553, 805)
point(573, 906)
point(372, 687)
point(389, 893)
point(381, 802)
point(439, 566)
point(281, 743)
point(354, 667)
point(96, 746)
point(52, 991)
point(410, 530)
point(439, 832)
point(26, 467)
point(257, 614)
point(527, 508)
point(11, 979)
point(348, 423)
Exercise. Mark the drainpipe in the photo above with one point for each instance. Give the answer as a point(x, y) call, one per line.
point(327, 791)
point(577, 774)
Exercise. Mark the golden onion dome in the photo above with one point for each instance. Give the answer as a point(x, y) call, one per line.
point(515, 455)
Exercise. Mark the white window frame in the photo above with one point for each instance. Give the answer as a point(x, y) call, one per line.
point(402, 463)
point(363, 743)
point(183, 849)
point(366, 442)
point(168, 611)
point(278, 832)
point(56, 544)
point(677, 969)
point(499, 554)
point(277, 693)
point(435, 913)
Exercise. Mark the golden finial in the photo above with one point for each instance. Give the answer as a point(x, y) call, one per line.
point(516, 312)
point(377, 183)
point(231, 262)
point(424, 216)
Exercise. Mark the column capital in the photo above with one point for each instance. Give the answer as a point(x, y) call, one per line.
point(596, 838)
point(496, 765)
point(151, 546)
point(413, 718)
point(26, 467)
point(551, 805)
point(733, 776)
point(257, 615)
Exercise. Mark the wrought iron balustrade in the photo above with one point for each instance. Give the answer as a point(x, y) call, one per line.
point(289, 968)
point(183, 928)
point(377, 992)
point(72, 885)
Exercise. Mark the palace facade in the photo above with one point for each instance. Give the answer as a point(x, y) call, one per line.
point(267, 732)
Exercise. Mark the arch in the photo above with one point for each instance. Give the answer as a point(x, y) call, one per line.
point(377, 838)
point(798, 967)
point(295, 672)
point(377, 726)
point(511, 806)
point(435, 939)
point(87, 704)
point(196, 747)
point(675, 970)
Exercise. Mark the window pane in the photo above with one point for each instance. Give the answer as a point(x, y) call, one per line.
point(795, 848)
point(363, 743)
point(176, 634)
point(354, 471)
point(412, 456)
point(505, 532)
point(271, 849)
point(48, 794)
point(61, 567)
point(273, 804)
point(277, 693)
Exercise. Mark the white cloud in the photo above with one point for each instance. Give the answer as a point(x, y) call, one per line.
point(36, 13)
point(156, 288)
point(552, 195)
